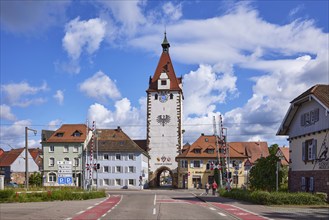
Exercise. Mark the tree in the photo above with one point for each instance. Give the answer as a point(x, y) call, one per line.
point(263, 173)
point(35, 179)
point(273, 149)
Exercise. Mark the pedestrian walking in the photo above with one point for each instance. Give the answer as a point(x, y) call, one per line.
point(207, 188)
point(214, 187)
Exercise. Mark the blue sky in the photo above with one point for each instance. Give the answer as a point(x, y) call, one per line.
point(73, 61)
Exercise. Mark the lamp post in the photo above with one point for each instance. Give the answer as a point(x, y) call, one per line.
point(26, 157)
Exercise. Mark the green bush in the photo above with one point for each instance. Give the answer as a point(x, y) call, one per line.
point(276, 198)
point(6, 193)
point(50, 195)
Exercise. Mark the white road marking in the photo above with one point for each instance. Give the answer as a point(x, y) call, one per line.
point(222, 214)
point(211, 208)
point(154, 211)
point(155, 199)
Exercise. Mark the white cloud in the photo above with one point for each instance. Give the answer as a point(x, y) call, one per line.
point(83, 35)
point(172, 12)
point(31, 17)
point(204, 88)
point(101, 87)
point(54, 124)
point(132, 120)
point(18, 94)
point(13, 135)
point(59, 96)
point(6, 114)
point(127, 14)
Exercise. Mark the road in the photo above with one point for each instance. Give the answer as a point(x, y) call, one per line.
point(155, 204)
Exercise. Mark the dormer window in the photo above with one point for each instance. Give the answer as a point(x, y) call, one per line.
point(206, 139)
point(163, 82)
point(197, 151)
point(210, 151)
point(76, 134)
point(59, 134)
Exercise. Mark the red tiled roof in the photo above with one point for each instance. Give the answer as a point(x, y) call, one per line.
point(205, 142)
point(8, 157)
point(165, 65)
point(285, 152)
point(68, 130)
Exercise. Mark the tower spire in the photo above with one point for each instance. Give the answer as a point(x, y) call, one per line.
point(165, 44)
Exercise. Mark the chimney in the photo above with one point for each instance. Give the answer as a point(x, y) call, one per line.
point(119, 129)
point(202, 134)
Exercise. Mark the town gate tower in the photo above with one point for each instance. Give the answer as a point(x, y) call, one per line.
point(164, 118)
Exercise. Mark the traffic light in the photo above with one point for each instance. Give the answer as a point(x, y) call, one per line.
point(98, 166)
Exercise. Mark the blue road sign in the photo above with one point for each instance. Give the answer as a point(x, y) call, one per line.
point(64, 180)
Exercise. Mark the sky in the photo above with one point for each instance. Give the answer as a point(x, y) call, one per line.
point(72, 62)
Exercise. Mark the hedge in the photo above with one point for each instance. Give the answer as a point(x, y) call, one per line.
point(276, 198)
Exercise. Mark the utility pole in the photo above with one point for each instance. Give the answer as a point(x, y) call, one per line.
point(26, 157)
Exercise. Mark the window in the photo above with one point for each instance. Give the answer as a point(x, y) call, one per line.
point(106, 169)
point(106, 156)
point(76, 162)
point(51, 148)
point(206, 139)
point(163, 82)
point(52, 177)
point(51, 162)
point(118, 156)
point(307, 184)
point(132, 182)
point(76, 134)
point(66, 149)
point(184, 163)
point(196, 163)
point(131, 169)
point(131, 157)
point(118, 169)
point(197, 151)
point(210, 151)
point(106, 182)
point(66, 159)
point(118, 182)
point(156, 96)
point(75, 149)
point(171, 96)
point(59, 134)
point(309, 150)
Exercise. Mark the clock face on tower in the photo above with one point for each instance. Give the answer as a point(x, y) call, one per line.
point(163, 97)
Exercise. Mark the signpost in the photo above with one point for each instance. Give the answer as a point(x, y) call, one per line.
point(64, 172)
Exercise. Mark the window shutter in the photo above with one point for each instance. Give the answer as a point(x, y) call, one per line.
point(314, 153)
point(126, 169)
point(134, 169)
point(126, 157)
point(192, 164)
point(121, 170)
point(201, 163)
point(113, 169)
point(303, 152)
point(311, 189)
point(101, 182)
point(126, 182)
point(134, 182)
point(303, 183)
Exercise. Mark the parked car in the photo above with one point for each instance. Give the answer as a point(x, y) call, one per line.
point(12, 185)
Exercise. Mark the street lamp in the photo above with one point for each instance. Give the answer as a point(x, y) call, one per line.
point(26, 157)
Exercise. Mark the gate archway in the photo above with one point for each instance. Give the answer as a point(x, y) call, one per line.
point(164, 177)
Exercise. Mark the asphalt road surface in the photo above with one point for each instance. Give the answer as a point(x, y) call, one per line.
point(156, 204)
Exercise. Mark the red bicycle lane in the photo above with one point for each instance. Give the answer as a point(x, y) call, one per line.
point(238, 212)
point(99, 210)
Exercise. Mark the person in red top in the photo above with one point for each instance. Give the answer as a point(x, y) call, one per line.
point(214, 187)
